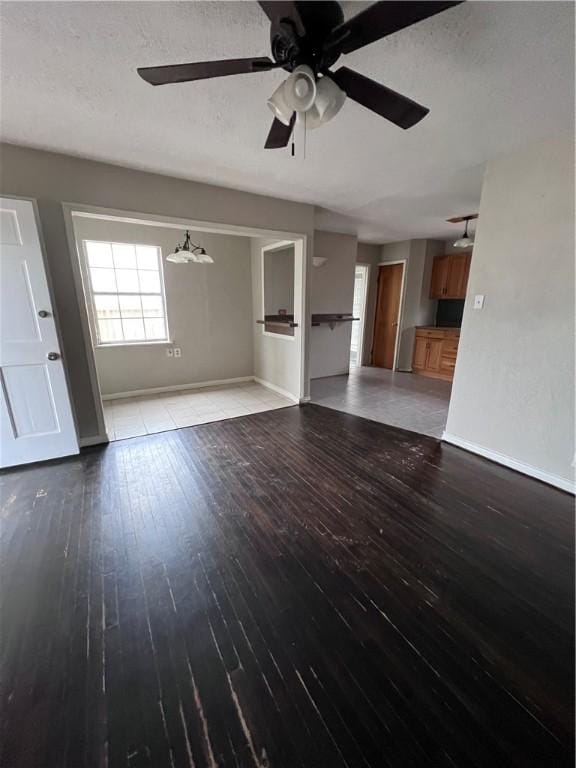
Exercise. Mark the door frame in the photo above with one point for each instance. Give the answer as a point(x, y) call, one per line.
point(362, 330)
point(302, 250)
point(400, 309)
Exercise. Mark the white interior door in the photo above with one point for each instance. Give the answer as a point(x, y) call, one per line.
point(36, 415)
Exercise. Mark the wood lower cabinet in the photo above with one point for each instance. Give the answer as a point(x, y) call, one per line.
point(435, 352)
point(450, 276)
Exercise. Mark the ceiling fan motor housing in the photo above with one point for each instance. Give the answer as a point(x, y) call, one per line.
point(290, 50)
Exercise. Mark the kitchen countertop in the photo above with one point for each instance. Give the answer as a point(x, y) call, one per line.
point(437, 328)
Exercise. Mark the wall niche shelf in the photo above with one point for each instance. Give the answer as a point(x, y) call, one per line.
point(284, 320)
point(332, 319)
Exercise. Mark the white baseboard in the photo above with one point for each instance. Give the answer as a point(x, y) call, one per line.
point(274, 388)
point(84, 442)
point(507, 461)
point(306, 399)
point(177, 387)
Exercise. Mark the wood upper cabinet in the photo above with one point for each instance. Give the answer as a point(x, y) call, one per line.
point(439, 277)
point(450, 276)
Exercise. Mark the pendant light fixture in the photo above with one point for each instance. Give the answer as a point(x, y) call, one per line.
point(188, 252)
point(465, 241)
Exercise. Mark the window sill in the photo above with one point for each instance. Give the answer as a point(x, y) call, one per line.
point(163, 343)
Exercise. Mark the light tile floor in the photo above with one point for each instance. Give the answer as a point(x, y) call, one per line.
point(402, 400)
point(135, 416)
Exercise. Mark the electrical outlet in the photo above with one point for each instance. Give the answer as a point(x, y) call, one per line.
point(177, 352)
point(478, 301)
point(169, 352)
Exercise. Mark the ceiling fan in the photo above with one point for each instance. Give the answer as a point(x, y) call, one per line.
point(307, 38)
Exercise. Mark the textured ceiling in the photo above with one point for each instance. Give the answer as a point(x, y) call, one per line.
point(495, 75)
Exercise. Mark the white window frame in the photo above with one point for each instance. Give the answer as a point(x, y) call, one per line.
point(89, 293)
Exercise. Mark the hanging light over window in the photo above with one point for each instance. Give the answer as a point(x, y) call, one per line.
point(465, 241)
point(188, 252)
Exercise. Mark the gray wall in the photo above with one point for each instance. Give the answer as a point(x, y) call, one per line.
point(332, 291)
point(209, 310)
point(513, 390)
point(417, 308)
point(54, 178)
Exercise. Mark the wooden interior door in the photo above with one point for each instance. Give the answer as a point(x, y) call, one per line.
point(387, 314)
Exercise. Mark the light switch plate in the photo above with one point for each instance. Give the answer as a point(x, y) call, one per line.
point(177, 352)
point(478, 301)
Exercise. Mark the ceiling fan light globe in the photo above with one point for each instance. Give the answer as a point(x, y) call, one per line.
point(280, 108)
point(329, 101)
point(300, 89)
point(464, 242)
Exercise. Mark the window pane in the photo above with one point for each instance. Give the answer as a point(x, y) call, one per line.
point(133, 330)
point(124, 256)
point(110, 330)
point(152, 306)
point(99, 254)
point(149, 282)
point(127, 280)
point(155, 329)
point(106, 307)
point(147, 256)
point(130, 306)
point(103, 280)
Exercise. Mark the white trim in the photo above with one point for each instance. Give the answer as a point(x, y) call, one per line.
point(400, 309)
point(507, 461)
point(149, 343)
point(84, 442)
point(279, 390)
point(343, 372)
point(306, 399)
point(177, 388)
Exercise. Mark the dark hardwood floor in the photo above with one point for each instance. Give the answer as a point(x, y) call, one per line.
point(293, 589)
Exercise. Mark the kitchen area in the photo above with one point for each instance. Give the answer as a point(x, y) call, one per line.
point(418, 292)
point(436, 346)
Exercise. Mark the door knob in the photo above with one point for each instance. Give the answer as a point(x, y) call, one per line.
point(52, 355)
point(43, 313)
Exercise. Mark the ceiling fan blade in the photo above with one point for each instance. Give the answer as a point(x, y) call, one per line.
point(380, 20)
point(201, 70)
point(279, 135)
point(384, 101)
point(276, 10)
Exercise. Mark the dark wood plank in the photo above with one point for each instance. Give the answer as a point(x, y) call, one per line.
point(293, 589)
